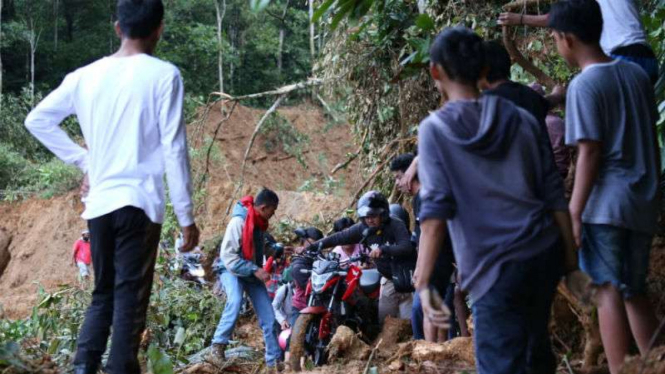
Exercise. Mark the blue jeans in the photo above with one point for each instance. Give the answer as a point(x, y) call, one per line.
point(650, 65)
point(234, 288)
point(617, 256)
point(511, 319)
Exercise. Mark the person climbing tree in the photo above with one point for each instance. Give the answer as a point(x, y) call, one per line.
point(129, 106)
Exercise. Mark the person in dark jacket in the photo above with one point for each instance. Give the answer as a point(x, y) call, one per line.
point(422, 329)
point(389, 240)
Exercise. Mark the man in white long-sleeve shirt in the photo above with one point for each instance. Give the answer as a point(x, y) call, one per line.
point(129, 106)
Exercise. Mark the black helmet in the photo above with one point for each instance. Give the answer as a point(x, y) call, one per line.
point(397, 211)
point(373, 203)
point(308, 233)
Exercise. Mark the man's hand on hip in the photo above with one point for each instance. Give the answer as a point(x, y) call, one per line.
point(190, 238)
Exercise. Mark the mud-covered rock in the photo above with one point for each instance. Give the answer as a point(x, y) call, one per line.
point(458, 349)
point(345, 345)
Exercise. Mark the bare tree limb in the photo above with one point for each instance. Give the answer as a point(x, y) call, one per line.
point(523, 62)
point(263, 119)
point(212, 143)
point(518, 5)
point(312, 82)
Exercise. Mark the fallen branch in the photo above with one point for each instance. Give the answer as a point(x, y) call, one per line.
point(370, 179)
point(351, 157)
point(327, 108)
point(263, 119)
point(371, 355)
point(212, 143)
point(519, 59)
point(652, 343)
point(312, 82)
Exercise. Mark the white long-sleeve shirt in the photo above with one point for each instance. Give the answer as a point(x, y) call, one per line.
point(130, 112)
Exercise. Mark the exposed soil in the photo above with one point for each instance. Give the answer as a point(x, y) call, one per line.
point(36, 235)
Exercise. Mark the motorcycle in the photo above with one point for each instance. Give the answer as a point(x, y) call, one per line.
point(192, 270)
point(340, 293)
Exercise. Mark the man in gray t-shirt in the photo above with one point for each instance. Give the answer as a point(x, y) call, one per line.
point(620, 114)
point(610, 117)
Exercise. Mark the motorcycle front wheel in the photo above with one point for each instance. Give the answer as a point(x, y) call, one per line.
point(305, 341)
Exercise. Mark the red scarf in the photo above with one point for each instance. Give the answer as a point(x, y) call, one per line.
point(252, 220)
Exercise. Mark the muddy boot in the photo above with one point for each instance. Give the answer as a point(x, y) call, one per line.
point(217, 354)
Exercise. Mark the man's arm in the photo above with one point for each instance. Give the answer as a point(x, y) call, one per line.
point(43, 122)
point(586, 172)
point(515, 19)
point(403, 246)
point(556, 97)
point(351, 235)
point(176, 158)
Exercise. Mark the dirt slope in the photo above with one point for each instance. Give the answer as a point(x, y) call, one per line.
point(41, 232)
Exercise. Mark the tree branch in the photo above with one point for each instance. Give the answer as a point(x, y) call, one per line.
point(312, 82)
point(523, 62)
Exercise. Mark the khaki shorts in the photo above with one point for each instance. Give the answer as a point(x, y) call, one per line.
point(393, 303)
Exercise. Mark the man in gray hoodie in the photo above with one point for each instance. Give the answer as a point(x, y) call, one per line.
point(488, 178)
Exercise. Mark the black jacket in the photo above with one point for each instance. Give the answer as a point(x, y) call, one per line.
point(393, 239)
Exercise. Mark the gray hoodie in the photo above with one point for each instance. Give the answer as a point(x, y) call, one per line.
point(486, 167)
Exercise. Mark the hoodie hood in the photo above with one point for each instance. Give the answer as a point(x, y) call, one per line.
point(239, 211)
point(485, 126)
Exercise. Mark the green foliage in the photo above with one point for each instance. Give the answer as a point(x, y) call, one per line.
point(181, 322)
point(279, 132)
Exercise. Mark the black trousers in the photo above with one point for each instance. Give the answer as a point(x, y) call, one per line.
point(124, 248)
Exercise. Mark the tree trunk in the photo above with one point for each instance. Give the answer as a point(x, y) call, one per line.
point(312, 48)
point(232, 41)
point(280, 50)
point(221, 12)
point(56, 4)
point(33, 40)
point(1, 69)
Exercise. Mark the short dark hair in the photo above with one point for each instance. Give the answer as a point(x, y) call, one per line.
point(139, 18)
point(581, 18)
point(401, 162)
point(266, 197)
point(498, 61)
point(460, 53)
point(342, 224)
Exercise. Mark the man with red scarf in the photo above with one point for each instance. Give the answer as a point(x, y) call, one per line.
point(242, 253)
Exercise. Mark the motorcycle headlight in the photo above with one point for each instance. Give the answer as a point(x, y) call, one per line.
point(319, 281)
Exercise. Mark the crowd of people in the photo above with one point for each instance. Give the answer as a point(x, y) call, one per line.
point(493, 227)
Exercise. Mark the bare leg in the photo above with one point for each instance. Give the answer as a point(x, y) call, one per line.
point(614, 328)
point(643, 321)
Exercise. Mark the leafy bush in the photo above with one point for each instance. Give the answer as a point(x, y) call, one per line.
point(181, 321)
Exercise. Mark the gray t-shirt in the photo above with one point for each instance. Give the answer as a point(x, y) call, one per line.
point(614, 103)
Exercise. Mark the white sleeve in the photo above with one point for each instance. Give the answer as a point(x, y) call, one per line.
point(174, 145)
point(278, 303)
point(43, 122)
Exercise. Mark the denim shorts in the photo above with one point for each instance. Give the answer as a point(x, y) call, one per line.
point(616, 255)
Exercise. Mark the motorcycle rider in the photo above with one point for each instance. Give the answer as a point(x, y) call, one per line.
point(390, 243)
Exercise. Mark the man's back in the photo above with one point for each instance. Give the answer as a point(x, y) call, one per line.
point(524, 97)
point(130, 112)
point(613, 103)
